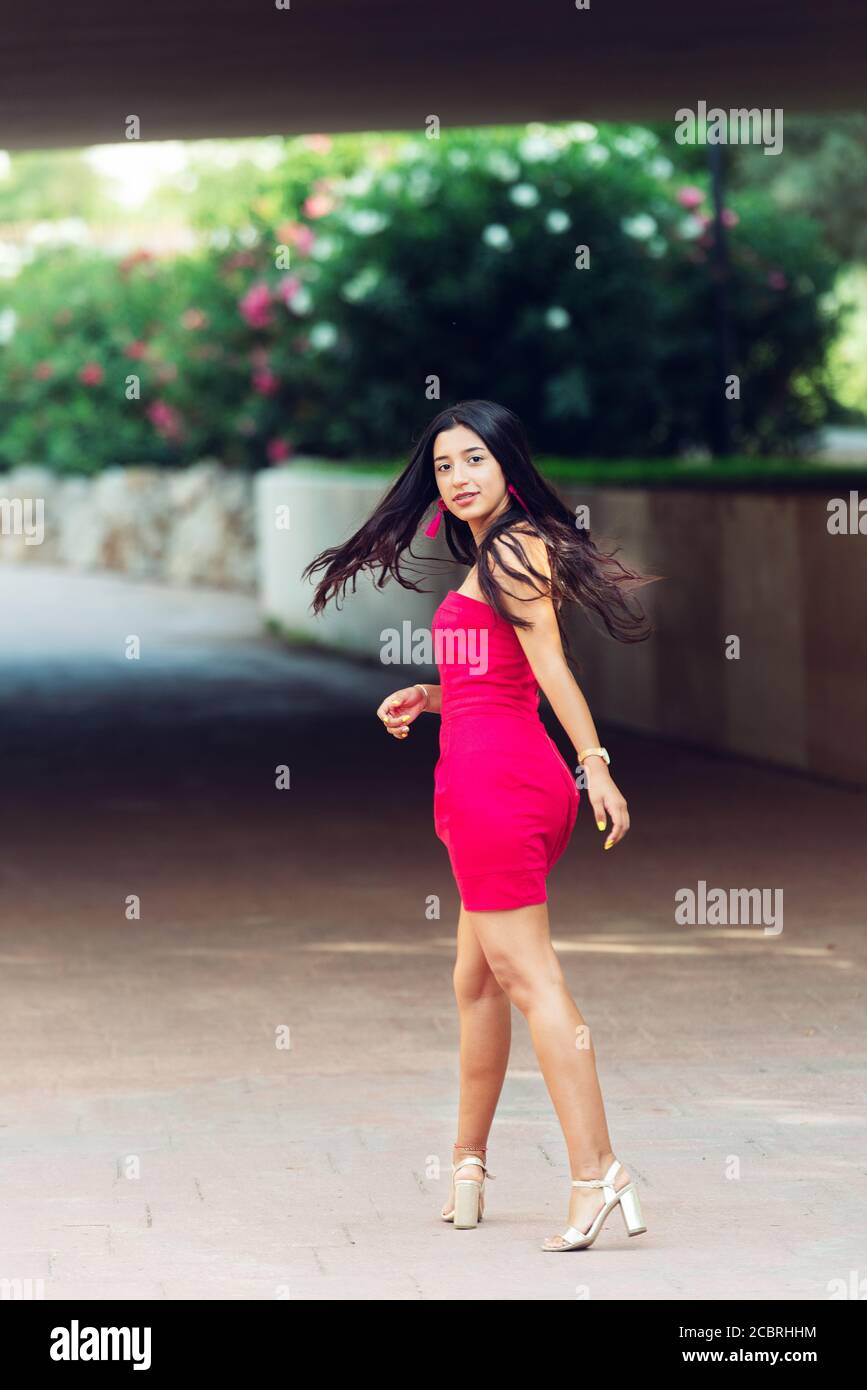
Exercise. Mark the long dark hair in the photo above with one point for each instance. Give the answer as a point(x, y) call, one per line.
point(580, 572)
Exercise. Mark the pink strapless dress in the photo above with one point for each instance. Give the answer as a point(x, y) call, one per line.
point(505, 801)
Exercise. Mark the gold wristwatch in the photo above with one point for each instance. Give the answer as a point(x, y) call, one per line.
point(600, 752)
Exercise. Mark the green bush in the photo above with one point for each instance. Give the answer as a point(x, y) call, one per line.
point(87, 325)
point(412, 261)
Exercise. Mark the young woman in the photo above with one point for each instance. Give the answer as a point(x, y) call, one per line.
point(505, 801)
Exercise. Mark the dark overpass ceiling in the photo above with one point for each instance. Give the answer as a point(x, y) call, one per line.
point(71, 71)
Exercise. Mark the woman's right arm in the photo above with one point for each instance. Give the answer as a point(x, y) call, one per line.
point(400, 710)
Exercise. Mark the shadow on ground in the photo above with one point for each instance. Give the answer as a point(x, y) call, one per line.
point(162, 1140)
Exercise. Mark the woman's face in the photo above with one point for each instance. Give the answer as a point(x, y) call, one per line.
point(470, 480)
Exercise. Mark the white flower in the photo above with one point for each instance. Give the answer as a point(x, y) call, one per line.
point(323, 335)
point(537, 145)
point(421, 183)
point(690, 228)
point(366, 221)
point(502, 166)
point(524, 194)
point(359, 185)
point(557, 220)
point(12, 258)
point(323, 247)
point(65, 229)
point(637, 141)
point(301, 302)
point(661, 168)
point(581, 131)
point(459, 158)
point(641, 226)
point(557, 317)
point(8, 324)
point(362, 284)
point(391, 181)
point(597, 154)
point(497, 236)
point(628, 145)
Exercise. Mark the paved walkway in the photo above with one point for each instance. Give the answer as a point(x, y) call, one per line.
point(158, 1143)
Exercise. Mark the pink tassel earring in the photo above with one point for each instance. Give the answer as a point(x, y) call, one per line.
point(518, 498)
point(434, 525)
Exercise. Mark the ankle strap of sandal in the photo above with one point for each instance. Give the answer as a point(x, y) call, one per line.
point(472, 1159)
point(607, 1181)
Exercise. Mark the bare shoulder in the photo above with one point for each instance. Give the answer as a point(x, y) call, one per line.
point(508, 563)
point(522, 575)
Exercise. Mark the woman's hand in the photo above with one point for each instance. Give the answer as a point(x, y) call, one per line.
point(399, 710)
point(605, 798)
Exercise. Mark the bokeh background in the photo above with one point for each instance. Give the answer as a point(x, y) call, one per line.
point(227, 924)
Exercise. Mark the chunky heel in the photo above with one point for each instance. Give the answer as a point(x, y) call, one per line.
point(631, 1209)
point(469, 1196)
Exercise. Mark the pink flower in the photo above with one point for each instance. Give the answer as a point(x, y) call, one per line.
point(730, 217)
point(91, 374)
point(133, 259)
point(690, 197)
point(193, 319)
point(278, 449)
point(266, 382)
point(777, 280)
point(43, 370)
point(320, 144)
point(238, 260)
point(137, 348)
point(288, 288)
point(255, 306)
point(319, 205)
point(297, 234)
point(165, 419)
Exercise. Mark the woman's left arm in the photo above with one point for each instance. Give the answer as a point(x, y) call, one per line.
point(544, 651)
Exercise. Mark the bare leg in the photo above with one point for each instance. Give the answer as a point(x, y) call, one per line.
point(486, 1035)
point(518, 948)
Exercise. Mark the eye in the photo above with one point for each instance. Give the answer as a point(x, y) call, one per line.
point(441, 466)
point(475, 458)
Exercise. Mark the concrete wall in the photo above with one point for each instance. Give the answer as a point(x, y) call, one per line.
point(759, 566)
point(325, 508)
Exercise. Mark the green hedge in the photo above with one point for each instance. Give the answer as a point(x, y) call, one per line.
point(415, 260)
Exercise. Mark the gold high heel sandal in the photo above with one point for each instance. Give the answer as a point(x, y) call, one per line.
point(468, 1206)
point(626, 1198)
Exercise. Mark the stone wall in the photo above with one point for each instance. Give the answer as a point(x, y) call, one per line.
point(186, 526)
